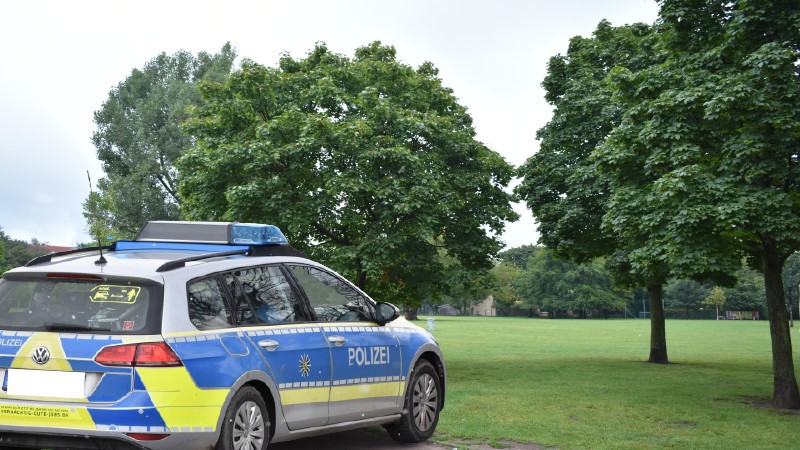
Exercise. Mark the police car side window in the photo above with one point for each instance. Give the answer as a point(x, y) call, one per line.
point(242, 309)
point(207, 306)
point(331, 298)
point(269, 293)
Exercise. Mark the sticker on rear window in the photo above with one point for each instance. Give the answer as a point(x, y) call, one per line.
point(106, 293)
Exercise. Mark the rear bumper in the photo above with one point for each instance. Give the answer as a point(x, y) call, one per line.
point(39, 437)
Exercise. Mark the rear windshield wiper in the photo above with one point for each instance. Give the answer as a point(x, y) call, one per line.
point(55, 326)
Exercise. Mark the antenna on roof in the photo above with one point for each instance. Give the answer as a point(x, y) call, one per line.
point(101, 259)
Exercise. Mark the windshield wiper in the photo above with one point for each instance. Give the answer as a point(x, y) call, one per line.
point(55, 326)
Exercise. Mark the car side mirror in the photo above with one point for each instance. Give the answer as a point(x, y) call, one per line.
point(385, 313)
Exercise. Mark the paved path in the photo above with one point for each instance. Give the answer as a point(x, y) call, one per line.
point(348, 440)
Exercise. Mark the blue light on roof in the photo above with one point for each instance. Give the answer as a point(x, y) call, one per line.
point(256, 234)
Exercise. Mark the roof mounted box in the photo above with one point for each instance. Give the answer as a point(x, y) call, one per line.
point(225, 233)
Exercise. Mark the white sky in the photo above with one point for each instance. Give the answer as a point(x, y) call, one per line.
point(61, 58)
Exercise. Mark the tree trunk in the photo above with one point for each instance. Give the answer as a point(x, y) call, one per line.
point(658, 333)
point(411, 313)
point(361, 280)
point(785, 393)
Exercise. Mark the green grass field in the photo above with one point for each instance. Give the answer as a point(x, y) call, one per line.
point(574, 384)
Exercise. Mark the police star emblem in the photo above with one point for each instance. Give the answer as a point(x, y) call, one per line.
point(305, 365)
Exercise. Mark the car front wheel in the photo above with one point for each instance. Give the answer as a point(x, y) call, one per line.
point(246, 424)
point(422, 405)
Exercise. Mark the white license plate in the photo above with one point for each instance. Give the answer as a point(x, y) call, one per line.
point(45, 383)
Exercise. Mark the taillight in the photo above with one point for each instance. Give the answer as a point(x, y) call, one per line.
point(147, 354)
point(147, 436)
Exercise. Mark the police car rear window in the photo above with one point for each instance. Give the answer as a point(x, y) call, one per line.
point(64, 303)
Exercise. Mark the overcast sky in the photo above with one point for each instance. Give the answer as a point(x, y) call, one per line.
point(61, 58)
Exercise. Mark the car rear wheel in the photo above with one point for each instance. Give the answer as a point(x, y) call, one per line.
point(422, 405)
point(246, 424)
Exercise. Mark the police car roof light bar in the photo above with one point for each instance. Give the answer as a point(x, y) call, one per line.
point(225, 233)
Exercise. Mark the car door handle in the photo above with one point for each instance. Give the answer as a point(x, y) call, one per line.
point(268, 344)
point(337, 340)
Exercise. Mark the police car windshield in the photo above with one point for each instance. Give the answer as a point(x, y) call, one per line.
point(118, 306)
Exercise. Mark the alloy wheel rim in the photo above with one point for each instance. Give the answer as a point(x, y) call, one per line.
point(248, 427)
point(426, 402)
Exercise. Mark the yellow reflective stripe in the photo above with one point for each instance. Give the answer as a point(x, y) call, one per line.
point(361, 391)
point(306, 395)
point(44, 416)
point(58, 359)
point(178, 399)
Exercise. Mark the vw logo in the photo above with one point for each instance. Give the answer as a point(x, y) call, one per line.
point(41, 355)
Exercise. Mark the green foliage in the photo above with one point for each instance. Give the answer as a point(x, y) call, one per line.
point(138, 140)
point(518, 256)
point(552, 284)
point(704, 160)
point(560, 183)
point(791, 281)
point(704, 163)
point(748, 293)
point(462, 287)
point(366, 163)
point(715, 298)
point(3, 265)
point(17, 252)
point(685, 295)
point(505, 276)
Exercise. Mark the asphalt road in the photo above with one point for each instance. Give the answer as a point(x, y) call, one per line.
point(348, 440)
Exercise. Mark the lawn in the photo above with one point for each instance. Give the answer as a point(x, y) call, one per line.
point(574, 384)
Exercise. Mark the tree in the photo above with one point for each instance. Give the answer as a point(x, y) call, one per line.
point(3, 265)
point(366, 163)
point(705, 159)
point(138, 140)
point(561, 184)
point(461, 287)
point(687, 295)
point(505, 276)
point(518, 256)
point(748, 293)
point(17, 252)
point(715, 298)
point(558, 285)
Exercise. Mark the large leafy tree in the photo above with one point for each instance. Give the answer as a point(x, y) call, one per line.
point(561, 184)
point(366, 163)
point(705, 161)
point(138, 140)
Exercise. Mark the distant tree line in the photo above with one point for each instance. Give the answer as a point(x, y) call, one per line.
point(531, 279)
point(16, 252)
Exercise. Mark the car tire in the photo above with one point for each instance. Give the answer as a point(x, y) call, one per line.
point(246, 424)
point(423, 401)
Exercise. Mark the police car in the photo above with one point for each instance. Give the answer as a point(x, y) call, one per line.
point(204, 335)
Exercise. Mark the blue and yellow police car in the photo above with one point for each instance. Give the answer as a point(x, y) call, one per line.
point(204, 335)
